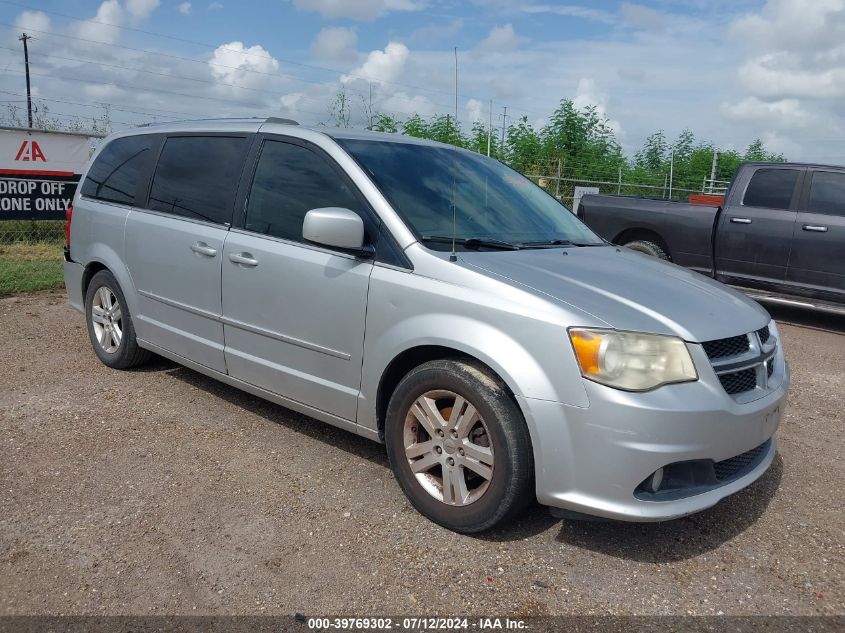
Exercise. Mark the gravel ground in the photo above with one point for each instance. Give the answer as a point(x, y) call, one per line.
point(162, 491)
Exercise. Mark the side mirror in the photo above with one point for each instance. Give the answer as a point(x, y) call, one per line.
point(338, 228)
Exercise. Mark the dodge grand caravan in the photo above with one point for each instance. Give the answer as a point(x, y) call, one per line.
point(434, 300)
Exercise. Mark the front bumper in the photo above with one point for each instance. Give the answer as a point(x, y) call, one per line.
point(591, 460)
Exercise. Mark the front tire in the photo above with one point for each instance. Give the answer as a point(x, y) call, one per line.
point(459, 447)
point(110, 325)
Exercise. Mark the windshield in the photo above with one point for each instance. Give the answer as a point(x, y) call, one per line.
point(493, 203)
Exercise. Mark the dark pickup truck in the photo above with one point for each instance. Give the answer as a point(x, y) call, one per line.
point(779, 235)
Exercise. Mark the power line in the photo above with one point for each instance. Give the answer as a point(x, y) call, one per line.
point(215, 64)
point(226, 48)
point(240, 52)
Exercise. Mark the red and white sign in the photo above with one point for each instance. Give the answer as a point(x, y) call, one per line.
point(39, 173)
point(42, 153)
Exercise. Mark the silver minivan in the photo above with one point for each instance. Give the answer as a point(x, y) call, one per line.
point(434, 300)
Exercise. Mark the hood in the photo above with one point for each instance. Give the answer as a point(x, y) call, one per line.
point(626, 290)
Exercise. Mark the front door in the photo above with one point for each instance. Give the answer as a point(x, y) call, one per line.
point(174, 247)
point(293, 312)
point(817, 265)
point(754, 237)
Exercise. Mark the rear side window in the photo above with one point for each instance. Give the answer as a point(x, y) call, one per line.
point(771, 188)
point(827, 193)
point(196, 177)
point(117, 170)
point(290, 180)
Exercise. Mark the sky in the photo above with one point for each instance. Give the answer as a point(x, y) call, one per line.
point(730, 70)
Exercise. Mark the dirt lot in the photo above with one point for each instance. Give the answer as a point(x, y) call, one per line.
point(162, 491)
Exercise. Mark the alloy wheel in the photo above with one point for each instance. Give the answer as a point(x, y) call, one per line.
point(448, 447)
point(107, 319)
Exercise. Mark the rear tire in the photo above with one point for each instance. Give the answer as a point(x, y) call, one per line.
point(459, 446)
point(649, 248)
point(110, 325)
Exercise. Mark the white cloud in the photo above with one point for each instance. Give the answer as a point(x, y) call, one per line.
point(438, 32)
point(185, 8)
point(476, 110)
point(642, 17)
point(34, 20)
point(215, 6)
point(140, 9)
point(587, 94)
point(501, 39)
point(357, 9)
point(237, 64)
point(782, 75)
point(335, 44)
point(99, 28)
point(793, 24)
point(784, 114)
point(403, 104)
point(573, 11)
point(381, 66)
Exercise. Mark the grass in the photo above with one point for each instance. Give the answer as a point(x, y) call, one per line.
point(29, 266)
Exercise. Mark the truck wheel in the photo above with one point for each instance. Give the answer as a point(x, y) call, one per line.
point(649, 248)
point(459, 446)
point(110, 324)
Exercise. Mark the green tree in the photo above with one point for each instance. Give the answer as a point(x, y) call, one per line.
point(385, 123)
point(523, 147)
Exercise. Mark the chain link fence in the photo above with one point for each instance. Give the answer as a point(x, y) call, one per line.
point(31, 255)
point(563, 188)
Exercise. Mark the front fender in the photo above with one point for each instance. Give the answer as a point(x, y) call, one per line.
point(531, 355)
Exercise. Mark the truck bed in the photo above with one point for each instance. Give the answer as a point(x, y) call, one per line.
point(685, 230)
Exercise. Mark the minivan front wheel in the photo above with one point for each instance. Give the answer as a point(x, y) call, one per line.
point(458, 446)
point(110, 324)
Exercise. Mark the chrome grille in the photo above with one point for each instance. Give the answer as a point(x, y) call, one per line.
point(743, 363)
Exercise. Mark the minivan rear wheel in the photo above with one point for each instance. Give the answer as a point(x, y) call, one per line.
point(110, 325)
point(459, 447)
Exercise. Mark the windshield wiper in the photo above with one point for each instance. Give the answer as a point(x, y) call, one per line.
point(472, 242)
point(557, 242)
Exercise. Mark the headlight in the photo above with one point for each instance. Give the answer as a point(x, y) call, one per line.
point(630, 360)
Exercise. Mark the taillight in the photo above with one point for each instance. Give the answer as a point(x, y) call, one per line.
point(68, 218)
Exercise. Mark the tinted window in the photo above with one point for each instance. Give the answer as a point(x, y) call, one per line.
point(436, 188)
point(196, 177)
point(117, 170)
point(827, 193)
point(771, 188)
point(290, 180)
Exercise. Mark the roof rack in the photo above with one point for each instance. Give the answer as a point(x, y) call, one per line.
point(275, 119)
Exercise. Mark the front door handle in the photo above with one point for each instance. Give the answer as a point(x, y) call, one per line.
point(741, 220)
point(815, 227)
point(203, 249)
point(244, 259)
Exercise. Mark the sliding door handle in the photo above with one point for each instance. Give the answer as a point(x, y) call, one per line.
point(244, 259)
point(201, 248)
point(741, 220)
point(815, 228)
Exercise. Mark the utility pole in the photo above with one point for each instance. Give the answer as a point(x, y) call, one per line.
point(671, 172)
point(23, 38)
point(490, 129)
point(370, 84)
point(713, 170)
point(504, 120)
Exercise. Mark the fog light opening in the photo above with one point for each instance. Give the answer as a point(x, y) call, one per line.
point(653, 482)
